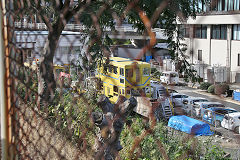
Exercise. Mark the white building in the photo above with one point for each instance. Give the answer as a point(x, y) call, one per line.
point(67, 52)
point(213, 39)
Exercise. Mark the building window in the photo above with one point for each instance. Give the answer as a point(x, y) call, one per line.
point(121, 80)
point(146, 72)
point(219, 5)
point(200, 55)
point(129, 72)
point(230, 5)
point(123, 91)
point(238, 59)
point(121, 71)
point(147, 90)
point(219, 31)
point(128, 92)
point(115, 89)
point(105, 68)
point(236, 5)
point(236, 32)
point(224, 5)
point(138, 76)
point(115, 70)
point(184, 30)
point(110, 69)
point(200, 31)
point(202, 6)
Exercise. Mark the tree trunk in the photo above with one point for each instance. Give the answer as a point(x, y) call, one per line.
point(46, 81)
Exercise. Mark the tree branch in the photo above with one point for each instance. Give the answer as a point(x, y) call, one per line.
point(40, 11)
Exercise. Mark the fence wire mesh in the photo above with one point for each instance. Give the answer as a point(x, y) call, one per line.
point(56, 110)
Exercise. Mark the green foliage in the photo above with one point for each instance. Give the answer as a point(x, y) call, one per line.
point(27, 86)
point(155, 73)
point(205, 85)
point(211, 88)
point(214, 153)
point(71, 116)
point(173, 142)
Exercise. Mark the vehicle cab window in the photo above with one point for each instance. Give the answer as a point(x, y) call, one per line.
point(146, 72)
point(121, 71)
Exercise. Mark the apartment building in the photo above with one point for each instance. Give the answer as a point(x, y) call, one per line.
point(213, 39)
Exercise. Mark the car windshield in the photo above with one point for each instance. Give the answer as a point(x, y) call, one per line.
point(212, 105)
point(199, 100)
point(180, 96)
point(173, 75)
point(222, 112)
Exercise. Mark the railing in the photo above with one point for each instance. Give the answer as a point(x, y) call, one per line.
point(73, 27)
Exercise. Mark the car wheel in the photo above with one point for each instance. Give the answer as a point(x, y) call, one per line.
point(218, 124)
point(236, 129)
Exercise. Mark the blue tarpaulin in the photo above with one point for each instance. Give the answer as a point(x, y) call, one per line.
point(236, 95)
point(148, 58)
point(189, 125)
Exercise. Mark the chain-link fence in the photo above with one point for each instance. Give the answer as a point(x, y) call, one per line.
point(58, 63)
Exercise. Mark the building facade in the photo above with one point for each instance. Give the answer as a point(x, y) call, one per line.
point(33, 42)
point(213, 40)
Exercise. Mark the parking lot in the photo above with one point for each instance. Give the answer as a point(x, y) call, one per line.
point(229, 140)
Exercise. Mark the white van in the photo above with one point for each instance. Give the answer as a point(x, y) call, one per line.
point(169, 77)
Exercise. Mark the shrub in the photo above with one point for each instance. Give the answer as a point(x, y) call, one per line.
point(221, 88)
point(153, 70)
point(205, 85)
point(211, 89)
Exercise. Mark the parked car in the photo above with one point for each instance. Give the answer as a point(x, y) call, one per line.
point(177, 98)
point(215, 115)
point(189, 102)
point(231, 121)
point(172, 91)
point(200, 107)
point(169, 77)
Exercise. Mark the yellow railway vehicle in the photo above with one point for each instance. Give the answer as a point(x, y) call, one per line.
point(61, 68)
point(122, 76)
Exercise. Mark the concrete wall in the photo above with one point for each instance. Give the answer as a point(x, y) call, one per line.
point(131, 53)
point(218, 52)
point(201, 44)
point(235, 50)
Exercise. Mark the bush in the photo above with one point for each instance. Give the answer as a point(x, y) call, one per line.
point(221, 88)
point(205, 85)
point(211, 89)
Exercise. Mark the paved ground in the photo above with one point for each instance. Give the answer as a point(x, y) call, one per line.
point(227, 139)
point(228, 102)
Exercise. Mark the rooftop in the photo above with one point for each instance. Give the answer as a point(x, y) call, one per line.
point(125, 61)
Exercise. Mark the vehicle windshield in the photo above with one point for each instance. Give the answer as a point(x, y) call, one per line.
point(223, 112)
point(180, 96)
point(161, 91)
point(173, 75)
point(199, 100)
point(212, 105)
